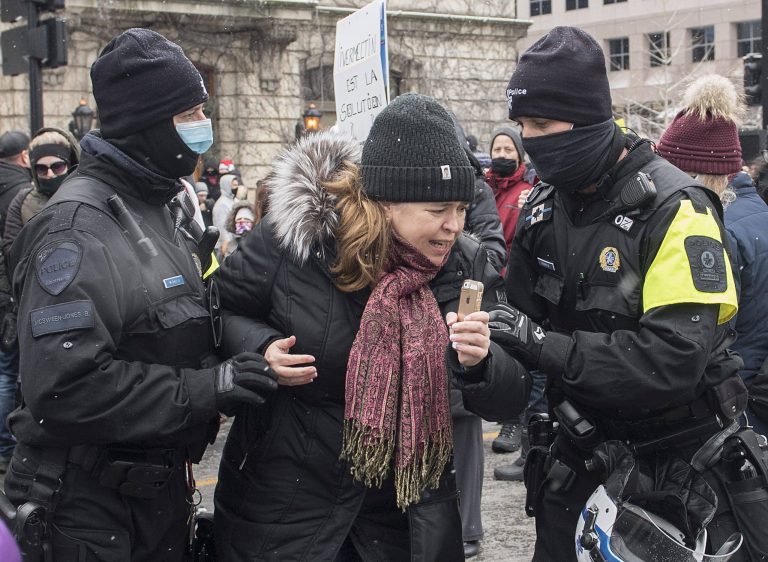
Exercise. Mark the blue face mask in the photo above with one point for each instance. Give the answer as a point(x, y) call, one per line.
point(197, 135)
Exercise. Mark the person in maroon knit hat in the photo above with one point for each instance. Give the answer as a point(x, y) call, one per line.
point(703, 139)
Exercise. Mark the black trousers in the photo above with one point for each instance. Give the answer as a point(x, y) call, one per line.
point(557, 513)
point(94, 523)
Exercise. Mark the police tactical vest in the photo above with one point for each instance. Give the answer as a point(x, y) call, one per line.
point(591, 277)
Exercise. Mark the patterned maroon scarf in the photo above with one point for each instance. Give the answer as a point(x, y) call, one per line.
point(397, 395)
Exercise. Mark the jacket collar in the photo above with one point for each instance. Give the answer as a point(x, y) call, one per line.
point(108, 163)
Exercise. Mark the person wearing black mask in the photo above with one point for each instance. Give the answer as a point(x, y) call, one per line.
point(619, 290)
point(53, 155)
point(211, 177)
point(121, 386)
point(506, 178)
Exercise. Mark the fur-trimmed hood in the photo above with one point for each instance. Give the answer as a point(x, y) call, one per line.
point(236, 206)
point(301, 212)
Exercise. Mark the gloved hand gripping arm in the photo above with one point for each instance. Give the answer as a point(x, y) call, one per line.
point(244, 379)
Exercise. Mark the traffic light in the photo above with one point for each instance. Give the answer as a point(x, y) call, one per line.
point(753, 78)
point(43, 40)
point(29, 48)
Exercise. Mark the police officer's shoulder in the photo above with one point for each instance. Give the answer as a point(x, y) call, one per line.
point(670, 182)
point(673, 185)
point(539, 193)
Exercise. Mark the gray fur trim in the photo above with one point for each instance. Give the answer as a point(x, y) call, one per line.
point(302, 214)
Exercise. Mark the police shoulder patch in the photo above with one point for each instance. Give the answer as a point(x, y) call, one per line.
point(539, 213)
point(56, 265)
point(706, 258)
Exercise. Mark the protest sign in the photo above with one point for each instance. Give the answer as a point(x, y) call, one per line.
point(360, 75)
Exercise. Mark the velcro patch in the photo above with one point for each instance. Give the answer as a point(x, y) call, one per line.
point(56, 265)
point(707, 260)
point(64, 317)
point(539, 213)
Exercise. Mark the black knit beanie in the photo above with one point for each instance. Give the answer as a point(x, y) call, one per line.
point(412, 154)
point(561, 76)
point(140, 79)
point(517, 140)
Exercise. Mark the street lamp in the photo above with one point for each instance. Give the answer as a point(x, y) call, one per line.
point(311, 118)
point(82, 120)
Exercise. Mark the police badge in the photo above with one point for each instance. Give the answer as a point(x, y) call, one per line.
point(610, 260)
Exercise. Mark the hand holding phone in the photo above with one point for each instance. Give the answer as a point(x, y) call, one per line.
point(470, 336)
point(471, 298)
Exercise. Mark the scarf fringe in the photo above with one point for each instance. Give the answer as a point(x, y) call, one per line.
point(370, 459)
point(423, 472)
point(369, 455)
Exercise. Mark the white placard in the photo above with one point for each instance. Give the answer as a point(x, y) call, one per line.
point(360, 69)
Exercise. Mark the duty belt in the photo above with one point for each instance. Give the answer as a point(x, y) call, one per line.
point(136, 472)
point(696, 414)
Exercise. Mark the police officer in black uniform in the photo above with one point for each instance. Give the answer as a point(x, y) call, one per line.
point(619, 290)
point(121, 387)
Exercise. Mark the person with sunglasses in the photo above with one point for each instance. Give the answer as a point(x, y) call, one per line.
point(53, 154)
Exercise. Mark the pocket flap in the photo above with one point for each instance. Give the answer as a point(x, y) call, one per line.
point(611, 298)
point(549, 287)
point(177, 311)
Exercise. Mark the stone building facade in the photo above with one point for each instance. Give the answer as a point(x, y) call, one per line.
point(656, 48)
point(265, 60)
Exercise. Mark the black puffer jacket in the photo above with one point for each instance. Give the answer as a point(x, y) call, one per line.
point(282, 488)
point(13, 179)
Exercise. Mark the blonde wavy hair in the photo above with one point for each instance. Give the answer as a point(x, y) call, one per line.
point(363, 233)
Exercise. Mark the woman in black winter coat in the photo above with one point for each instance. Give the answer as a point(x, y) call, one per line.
point(349, 287)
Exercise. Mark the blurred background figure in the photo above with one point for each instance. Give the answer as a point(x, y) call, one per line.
point(505, 176)
point(14, 166)
point(205, 201)
point(483, 158)
point(210, 175)
point(228, 184)
point(241, 220)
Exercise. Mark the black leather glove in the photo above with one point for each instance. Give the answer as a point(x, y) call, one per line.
point(244, 379)
point(516, 333)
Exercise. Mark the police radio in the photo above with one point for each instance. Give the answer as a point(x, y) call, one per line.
point(638, 191)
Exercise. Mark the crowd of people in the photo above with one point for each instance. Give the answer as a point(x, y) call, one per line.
point(619, 336)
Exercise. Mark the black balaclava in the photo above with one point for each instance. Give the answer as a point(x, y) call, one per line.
point(575, 159)
point(160, 149)
point(140, 81)
point(562, 77)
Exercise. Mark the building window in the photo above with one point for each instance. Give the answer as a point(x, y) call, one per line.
point(576, 4)
point(658, 46)
point(618, 53)
point(748, 37)
point(541, 7)
point(318, 84)
point(703, 43)
point(395, 84)
point(613, 1)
